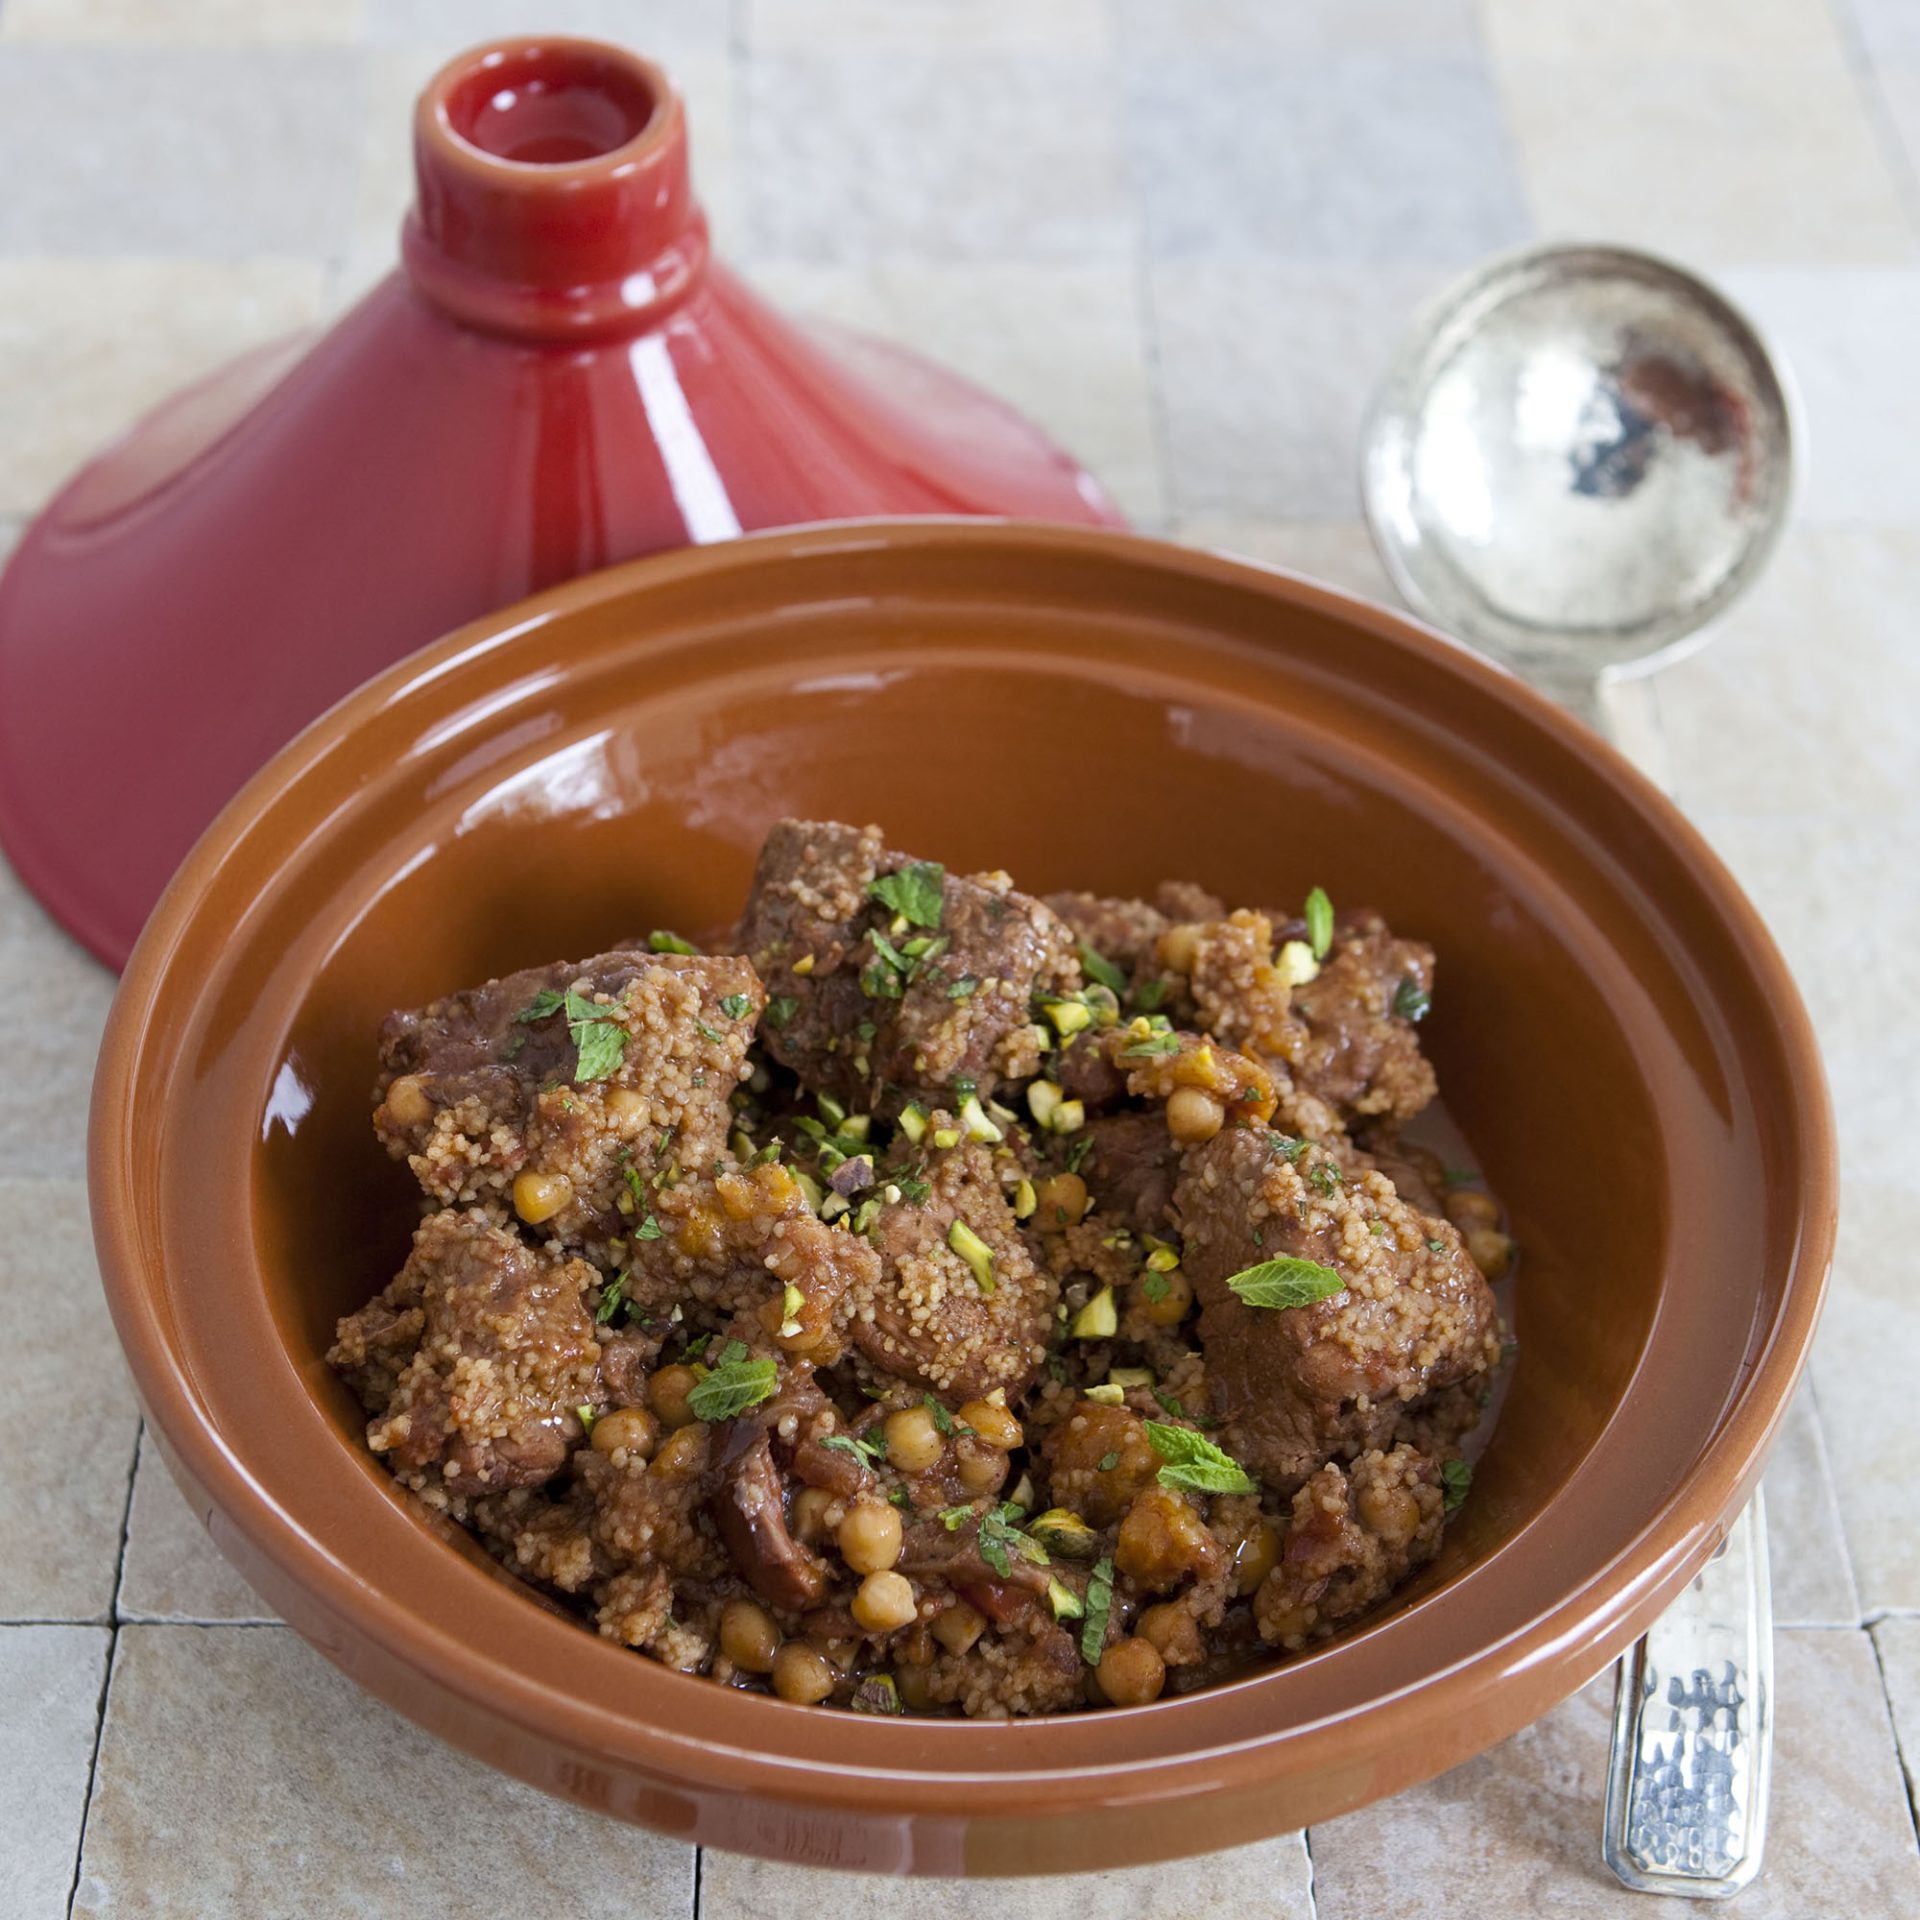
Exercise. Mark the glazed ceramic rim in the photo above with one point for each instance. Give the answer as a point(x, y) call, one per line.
point(1174, 1750)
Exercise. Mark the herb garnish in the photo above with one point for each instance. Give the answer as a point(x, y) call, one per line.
point(1326, 1176)
point(941, 1417)
point(712, 1035)
point(1456, 1476)
point(1077, 1153)
point(1320, 922)
point(736, 1382)
point(1194, 1462)
point(1287, 1147)
point(781, 1009)
point(1149, 994)
point(613, 1297)
point(665, 940)
point(999, 1537)
point(954, 1518)
point(736, 1006)
point(1099, 1604)
point(1436, 1246)
point(964, 988)
point(915, 892)
point(1108, 1461)
point(1172, 1404)
point(1286, 1283)
point(1154, 1286)
point(600, 1044)
point(1154, 1046)
point(1411, 1000)
point(861, 1448)
point(1098, 967)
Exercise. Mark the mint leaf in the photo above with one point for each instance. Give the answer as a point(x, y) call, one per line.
point(916, 892)
point(1411, 1001)
point(544, 1002)
point(999, 1539)
point(736, 1006)
point(781, 1009)
point(1456, 1476)
point(1098, 967)
point(1195, 1463)
point(1153, 1047)
point(665, 940)
point(1286, 1283)
point(1099, 1604)
point(736, 1383)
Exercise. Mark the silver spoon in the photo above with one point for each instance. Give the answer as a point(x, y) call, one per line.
point(1579, 459)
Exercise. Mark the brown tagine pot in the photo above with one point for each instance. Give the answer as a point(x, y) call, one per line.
point(1614, 1029)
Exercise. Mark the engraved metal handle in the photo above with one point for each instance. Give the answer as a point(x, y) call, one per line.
point(1693, 1731)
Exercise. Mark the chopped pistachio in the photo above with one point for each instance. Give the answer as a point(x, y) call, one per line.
point(975, 1252)
point(913, 1122)
point(1107, 1394)
point(856, 1126)
point(1064, 1533)
point(1097, 1320)
point(1295, 963)
point(791, 1302)
point(1124, 1377)
point(810, 1190)
point(944, 1137)
point(973, 1117)
point(833, 1206)
point(1062, 1599)
point(1043, 1100)
point(1025, 1200)
point(1162, 1260)
point(1069, 1116)
point(804, 965)
point(742, 1145)
point(831, 1111)
point(1022, 1495)
point(1068, 1016)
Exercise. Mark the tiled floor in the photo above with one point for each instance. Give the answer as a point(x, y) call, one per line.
point(1183, 233)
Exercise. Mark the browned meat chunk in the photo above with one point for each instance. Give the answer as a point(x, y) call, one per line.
point(873, 1005)
point(511, 1093)
point(1131, 1169)
point(936, 1316)
point(1357, 1048)
point(1355, 1535)
point(506, 1354)
point(1301, 1385)
point(749, 1509)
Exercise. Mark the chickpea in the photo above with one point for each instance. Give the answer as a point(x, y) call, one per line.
point(884, 1602)
point(748, 1636)
point(1178, 948)
point(982, 1469)
point(629, 1430)
point(803, 1674)
point(539, 1196)
point(1172, 1632)
point(1174, 1302)
point(992, 1423)
point(869, 1538)
point(684, 1453)
point(1060, 1201)
point(1193, 1116)
point(1255, 1557)
point(1132, 1672)
point(407, 1102)
point(667, 1394)
point(624, 1104)
point(959, 1627)
point(811, 1505)
point(1391, 1512)
point(913, 1439)
point(1465, 1208)
point(1491, 1251)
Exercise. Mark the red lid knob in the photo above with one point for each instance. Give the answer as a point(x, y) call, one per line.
point(553, 198)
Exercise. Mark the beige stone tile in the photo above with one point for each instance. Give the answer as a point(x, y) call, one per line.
point(1304, 26)
point(1812, 1573)
point(50, 1680)
point(960, 25)
point(53, 1005)
point(202, 152)
point(1819, 654)
point(67, 1418)
point(1847, 336)
point(1522, 1823)
point(241, 1775)
point(1717, 163)
point(1272, 1880)
point(183, 22)
point(1761, 31)
point(662, 29)
point(89, 345)
point(1898, 1643)
point(172, 1571)
point(1062, 343)
point(1863, 1374)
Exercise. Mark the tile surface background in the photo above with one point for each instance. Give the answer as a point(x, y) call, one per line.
point(1184, 234)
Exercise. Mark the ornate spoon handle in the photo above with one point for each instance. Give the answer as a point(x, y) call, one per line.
point(1693, 1731)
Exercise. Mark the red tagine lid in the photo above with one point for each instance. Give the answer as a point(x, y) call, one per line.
point(558, 377)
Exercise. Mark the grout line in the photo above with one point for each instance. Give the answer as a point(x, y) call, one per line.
point(1864, 71)
point(1909, 1767)
point(1313, 1878)
point(699, 1874)
point(1830, 1488)
point(113, 1660)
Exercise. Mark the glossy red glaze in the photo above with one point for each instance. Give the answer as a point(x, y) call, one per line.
point(558, 378)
